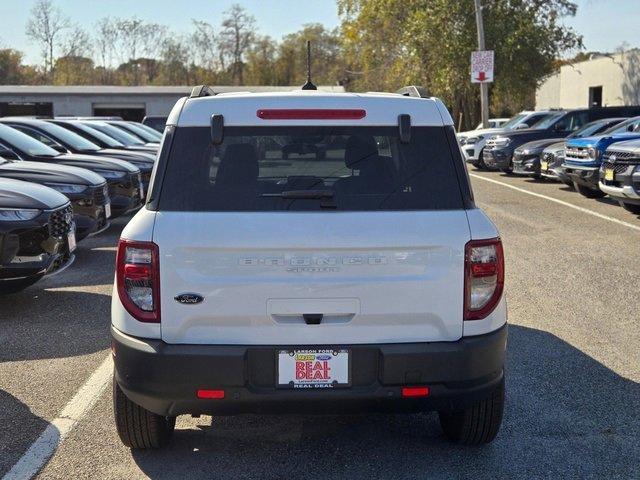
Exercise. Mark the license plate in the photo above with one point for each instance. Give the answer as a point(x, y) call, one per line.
point(544, 166)
point(609, 174)
point(107, 210)
point(71, 240)
point(313, 368)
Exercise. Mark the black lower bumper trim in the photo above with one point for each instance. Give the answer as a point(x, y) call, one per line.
point(164, 378)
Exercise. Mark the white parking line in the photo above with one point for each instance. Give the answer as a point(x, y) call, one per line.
point(46, 444)
point(561, 202)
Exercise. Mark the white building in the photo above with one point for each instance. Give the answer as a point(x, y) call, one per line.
point(603, 80)
point(131, 103)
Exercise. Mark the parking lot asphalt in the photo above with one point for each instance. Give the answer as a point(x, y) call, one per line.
point(573, 369)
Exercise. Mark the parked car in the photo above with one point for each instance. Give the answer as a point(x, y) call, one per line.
point(620, 174)
point(493, 123)
point(130, 141)
point(384, 294)
point(137, 131)
point(474, 141)
point(157, 122)
point(66, 141)
point(87, 191)
point(498, 154)
point(550, 162)
point(36, 234)
point(583, 156)
point(526, 158)
point(124, 179)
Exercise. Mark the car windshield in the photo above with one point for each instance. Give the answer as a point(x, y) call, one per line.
point(92, 133)
point(149, 130)
point(514, 121)
point(114, 132)
point(546, 122)
point(310, 168)
point(590, 129)
point(627, 126)
point(65, 136)
point(140, 132)
point(25, 143)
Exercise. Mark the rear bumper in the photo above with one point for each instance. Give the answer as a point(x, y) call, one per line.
point(164, 378)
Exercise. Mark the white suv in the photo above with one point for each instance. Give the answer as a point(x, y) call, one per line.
point(308, 252)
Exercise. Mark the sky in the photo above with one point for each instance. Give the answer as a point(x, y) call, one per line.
point(605, 24)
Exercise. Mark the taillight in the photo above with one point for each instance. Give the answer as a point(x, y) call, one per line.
point(138, 279)
point(311, 114)
point(484, 277)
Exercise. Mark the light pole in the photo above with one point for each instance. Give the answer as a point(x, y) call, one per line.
point(484, 87)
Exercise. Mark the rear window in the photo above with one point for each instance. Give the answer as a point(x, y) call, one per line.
point(302, 168)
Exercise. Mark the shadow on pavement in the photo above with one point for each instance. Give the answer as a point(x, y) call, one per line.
point(20, 428)
point(567, 416)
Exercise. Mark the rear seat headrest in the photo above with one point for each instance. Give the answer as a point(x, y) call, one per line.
point(238, 167)
point(359, 148)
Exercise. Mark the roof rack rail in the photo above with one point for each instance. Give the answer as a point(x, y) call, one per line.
point(414, 91)
point(202, 91)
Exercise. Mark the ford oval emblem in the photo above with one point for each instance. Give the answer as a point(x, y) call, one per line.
point(323, 357)
point(189, 298)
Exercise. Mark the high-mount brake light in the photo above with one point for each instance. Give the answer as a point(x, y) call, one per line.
point(412, 392)
point(311, 114)
point(138, 279)
point(484, 277)
point(210, 394)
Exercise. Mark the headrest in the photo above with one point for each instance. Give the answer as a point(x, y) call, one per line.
point(359, 149)
point(238, 167)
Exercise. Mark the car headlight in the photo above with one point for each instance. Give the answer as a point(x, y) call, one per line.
point(472, 140)
point(593, 153)
point(67, 187)
point(17, 215)
point(502, 141)
point(110, 174)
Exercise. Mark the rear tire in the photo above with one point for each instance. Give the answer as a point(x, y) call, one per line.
point(478, 424)
point(630, 207)
point(589, 192)
point(137, 427)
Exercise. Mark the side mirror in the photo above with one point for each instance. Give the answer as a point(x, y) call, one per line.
point(559, 127)
point(8, 154)
point(59, 148)
point(521, 126)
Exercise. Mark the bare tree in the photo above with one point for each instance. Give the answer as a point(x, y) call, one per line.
point(138, 39)
point(77, 43)
point(45, 26)
point(106, 41)
point(236, 37)
point(204, 44)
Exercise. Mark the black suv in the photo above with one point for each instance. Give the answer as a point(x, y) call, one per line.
point(87, 191)
point(124, 179)
point(36, 234)
point(498, 154)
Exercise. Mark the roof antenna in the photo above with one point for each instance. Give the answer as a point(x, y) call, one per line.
point(309, 85)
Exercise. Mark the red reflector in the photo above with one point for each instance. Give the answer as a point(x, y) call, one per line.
point(211, 394)
point(483, 269)
point(137, 272)
point(415, 391)
point(311, 114)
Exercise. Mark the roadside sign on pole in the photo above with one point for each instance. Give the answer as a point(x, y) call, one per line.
point(482, 66)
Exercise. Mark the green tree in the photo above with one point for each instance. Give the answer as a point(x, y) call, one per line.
point(389, 43)
point(11, 70)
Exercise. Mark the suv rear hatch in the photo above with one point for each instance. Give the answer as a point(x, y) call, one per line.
point(307, 236)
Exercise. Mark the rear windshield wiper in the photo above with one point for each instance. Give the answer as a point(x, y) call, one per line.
point(301, 194)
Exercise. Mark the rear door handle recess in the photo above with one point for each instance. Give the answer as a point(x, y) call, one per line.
point(312, 318)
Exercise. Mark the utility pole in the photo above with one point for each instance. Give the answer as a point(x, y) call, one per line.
point(484, 87)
